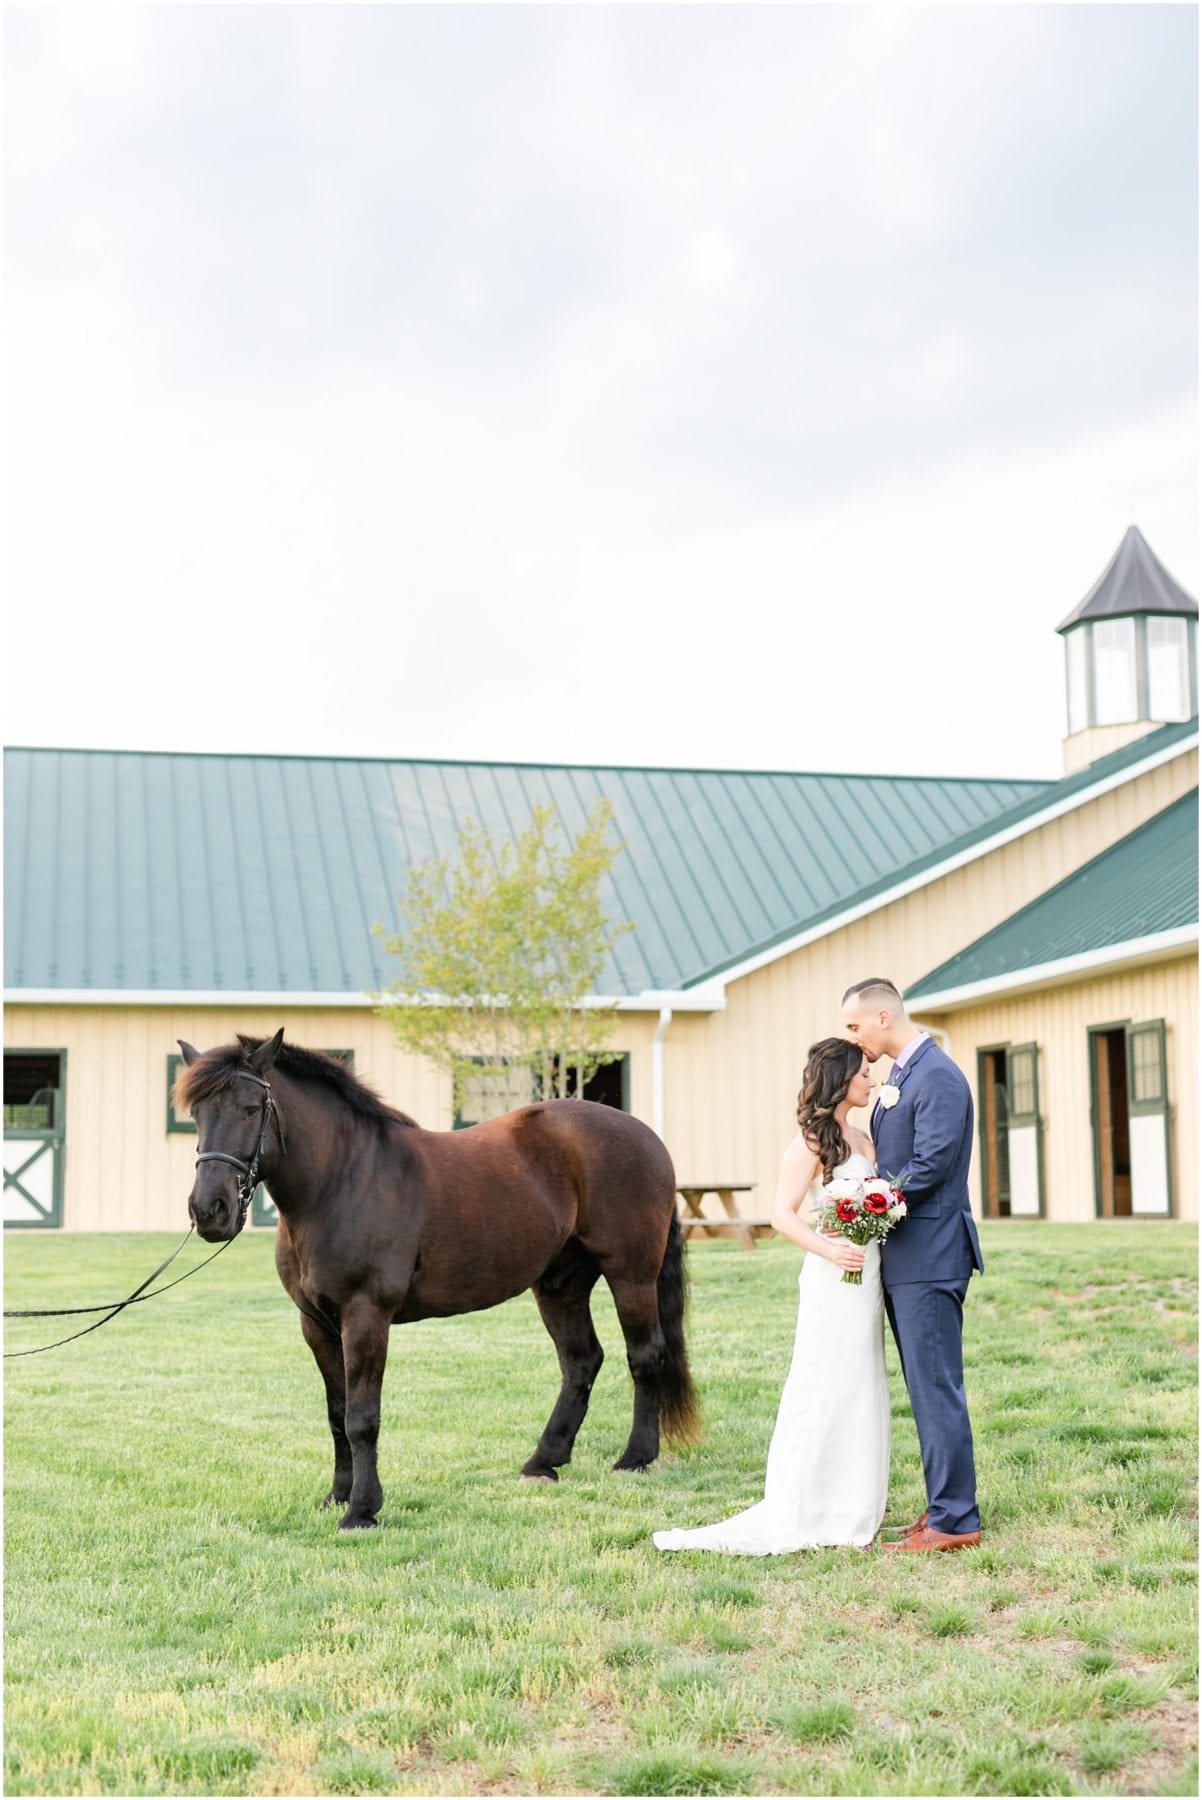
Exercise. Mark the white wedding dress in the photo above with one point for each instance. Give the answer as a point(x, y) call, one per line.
point(828, 1463)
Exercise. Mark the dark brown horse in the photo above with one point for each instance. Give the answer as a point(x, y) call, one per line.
point(382, 1222)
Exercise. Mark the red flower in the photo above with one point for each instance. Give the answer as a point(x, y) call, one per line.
point(846, 1210)
point(898, 1194)
point(876, 1203)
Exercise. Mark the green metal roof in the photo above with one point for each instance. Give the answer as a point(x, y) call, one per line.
point(1041, 796)
point(138, 871)
point(1145, 884)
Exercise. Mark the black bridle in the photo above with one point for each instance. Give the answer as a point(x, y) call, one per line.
point(250, 1177)
point(250, 1170)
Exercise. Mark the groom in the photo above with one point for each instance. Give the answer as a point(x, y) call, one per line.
point(922, 1129)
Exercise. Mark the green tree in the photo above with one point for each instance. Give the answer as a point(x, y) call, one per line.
point(500, 945)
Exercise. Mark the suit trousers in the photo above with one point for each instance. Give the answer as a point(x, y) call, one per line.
point(927, 1319)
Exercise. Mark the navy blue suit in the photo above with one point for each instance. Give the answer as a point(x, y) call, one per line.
point(925, 1142)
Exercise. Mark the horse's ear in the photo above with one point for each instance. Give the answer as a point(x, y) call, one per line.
point(262, 1058)
point(190, 1055)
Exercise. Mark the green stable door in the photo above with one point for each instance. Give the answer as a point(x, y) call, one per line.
point(1130, 1119)
point(1011, 1131)
point(34, 1138)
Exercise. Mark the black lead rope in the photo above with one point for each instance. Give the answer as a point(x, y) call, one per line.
point(110, 1309)
point(249, 1176)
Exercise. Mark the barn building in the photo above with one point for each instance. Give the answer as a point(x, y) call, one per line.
point(1046, 931)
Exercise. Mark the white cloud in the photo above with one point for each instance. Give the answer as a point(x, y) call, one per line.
point(590, 384)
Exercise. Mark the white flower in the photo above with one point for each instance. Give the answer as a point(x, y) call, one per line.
point(878, 1187)
point(889, 1095)
point(897, 1210)
point(844, 1188)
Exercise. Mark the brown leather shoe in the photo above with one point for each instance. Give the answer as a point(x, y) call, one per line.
point(930, 1539)
point(904, 1531)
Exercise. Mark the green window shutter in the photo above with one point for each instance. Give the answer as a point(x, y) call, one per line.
point(1024, 1131)
point(1146, 1072)
point(1148, 1110)
point(1024, 1084)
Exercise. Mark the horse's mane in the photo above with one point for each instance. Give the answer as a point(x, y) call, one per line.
point(215, 1070)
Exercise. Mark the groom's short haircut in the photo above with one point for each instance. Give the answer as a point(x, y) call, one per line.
point(877, 993)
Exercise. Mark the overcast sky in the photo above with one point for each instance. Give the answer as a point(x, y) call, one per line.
point(730, 386)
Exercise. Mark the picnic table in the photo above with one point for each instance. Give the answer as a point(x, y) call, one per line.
point(735, 1223)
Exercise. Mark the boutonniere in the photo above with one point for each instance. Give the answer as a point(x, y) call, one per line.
point(889, 1095)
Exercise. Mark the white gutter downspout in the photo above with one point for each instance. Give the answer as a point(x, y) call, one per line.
point(657, 1071)
point(942, 1038)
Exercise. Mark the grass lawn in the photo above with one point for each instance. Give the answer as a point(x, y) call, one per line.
point(182, 1620)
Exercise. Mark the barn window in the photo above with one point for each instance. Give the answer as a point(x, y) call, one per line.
point(1078, 678)
point(31, 1090)
point(1022, 1083)
point(1114, 671)
point(1147, 1064)
point(486, 1091)
point(1168, 669)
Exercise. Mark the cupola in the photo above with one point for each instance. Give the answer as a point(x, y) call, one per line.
point(1129, 652)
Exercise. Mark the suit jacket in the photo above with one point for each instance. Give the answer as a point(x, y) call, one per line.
point(925, 1140)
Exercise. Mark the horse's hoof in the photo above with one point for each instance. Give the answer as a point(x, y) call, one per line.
point(549, 1476)
point(332, 1499)
point(622, 1467)
point(349, 1523)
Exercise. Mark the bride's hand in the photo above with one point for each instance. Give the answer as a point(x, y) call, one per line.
point(845, 1254)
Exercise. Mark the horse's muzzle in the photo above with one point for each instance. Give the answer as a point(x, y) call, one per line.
point(217, 1217)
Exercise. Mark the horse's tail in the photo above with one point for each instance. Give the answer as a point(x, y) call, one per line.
point(677, 1399)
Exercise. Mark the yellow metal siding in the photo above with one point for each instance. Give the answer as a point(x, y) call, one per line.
point(125, 1172)
point(1095, 741)
point(730, 1077)
point(1058, 1020)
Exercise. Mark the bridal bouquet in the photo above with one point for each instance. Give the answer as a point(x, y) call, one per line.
point(861, 1211)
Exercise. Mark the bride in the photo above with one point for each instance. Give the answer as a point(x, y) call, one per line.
point(828, 1463)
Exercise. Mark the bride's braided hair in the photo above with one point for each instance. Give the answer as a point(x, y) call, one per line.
point(830, 1066)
